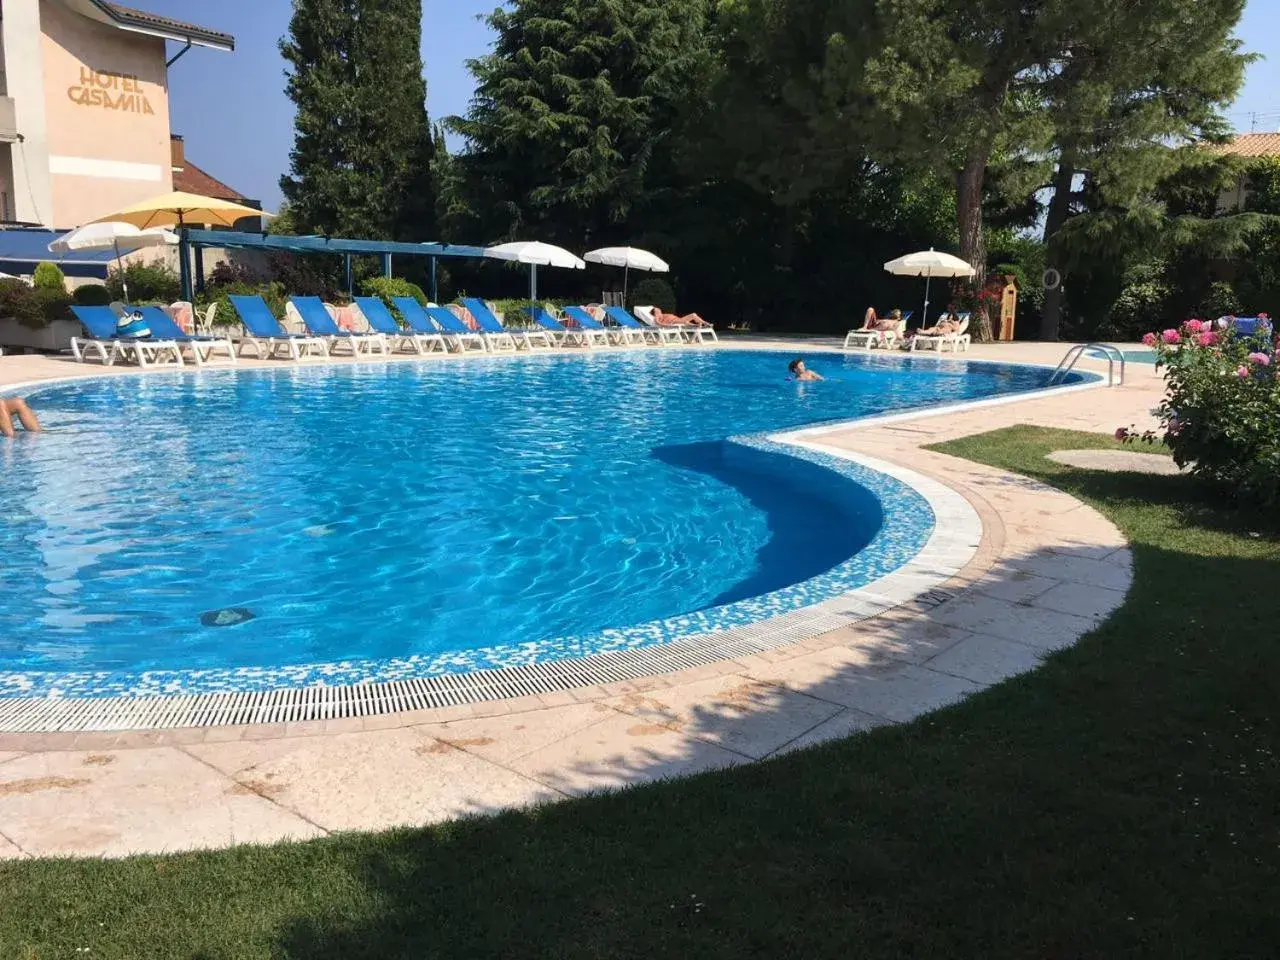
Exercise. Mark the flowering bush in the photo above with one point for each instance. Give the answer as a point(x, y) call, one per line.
point(1221, 415)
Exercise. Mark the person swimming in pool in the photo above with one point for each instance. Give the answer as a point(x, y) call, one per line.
point(11, 407)
point(800, 372)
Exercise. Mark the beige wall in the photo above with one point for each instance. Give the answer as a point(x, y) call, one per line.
point(107, 106)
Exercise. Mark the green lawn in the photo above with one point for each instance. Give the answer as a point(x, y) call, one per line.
point(1122, 801)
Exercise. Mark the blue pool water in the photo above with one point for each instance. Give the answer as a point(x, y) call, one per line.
point(458, 514)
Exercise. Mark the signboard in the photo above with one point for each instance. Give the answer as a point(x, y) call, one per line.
point(110, 91)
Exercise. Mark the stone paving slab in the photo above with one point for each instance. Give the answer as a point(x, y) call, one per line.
point(1043, 629)
point(986, 660)
point(362, 781)
point(844, 724)
point(1043, 559)
point(742, 715)
point(1118, 461)
point(621, 750)
point(114, 804)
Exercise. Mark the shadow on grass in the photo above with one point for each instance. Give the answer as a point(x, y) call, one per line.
point(1118, 801)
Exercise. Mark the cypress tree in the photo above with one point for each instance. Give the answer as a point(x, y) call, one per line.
point(361, 162)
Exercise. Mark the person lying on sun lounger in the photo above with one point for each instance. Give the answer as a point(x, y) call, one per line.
point(947, 324)
point(882, 324)
point(11, 407)
point(663, 319)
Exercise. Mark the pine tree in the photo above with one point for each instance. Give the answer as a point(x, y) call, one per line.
point(573, 127)
point(361, 162)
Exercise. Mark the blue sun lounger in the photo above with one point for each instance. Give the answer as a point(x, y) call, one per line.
point(381, 320)
point(316, 317)
point(562, 334)
point(495, 330)
point(633, 328)
point(263, 330)
point(423, 320)
point(202, 348)
point(104, 342)
point(587, 322)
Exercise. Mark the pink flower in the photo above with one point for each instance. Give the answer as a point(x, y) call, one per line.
point(1207, 339)
point(1122, 434)
point(1264, 316)
point(1150, 339)
point(1171, 336)
point(1261, 359)
point(1194, 326)
point(1242, 372)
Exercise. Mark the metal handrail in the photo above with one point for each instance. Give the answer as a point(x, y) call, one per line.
point(1072, 357)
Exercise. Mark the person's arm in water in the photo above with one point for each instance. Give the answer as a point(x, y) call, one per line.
point(11, 407)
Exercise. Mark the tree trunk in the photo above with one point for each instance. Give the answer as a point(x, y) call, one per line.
point(973, 248)
point(1059, 210)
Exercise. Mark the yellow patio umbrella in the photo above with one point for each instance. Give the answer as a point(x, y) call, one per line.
point(179, 209)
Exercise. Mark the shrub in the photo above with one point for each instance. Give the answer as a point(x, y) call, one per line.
point(1145, 295)
point(513, 311)
point(147, 281)
point(91, 295)
point(1221, 414)
point(48, 276)
point(18, 300)
point(54, 305)
point(1220, 301)
point(653, 292)
point(388, 287)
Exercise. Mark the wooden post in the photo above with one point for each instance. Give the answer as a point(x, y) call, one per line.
point(1008, 307)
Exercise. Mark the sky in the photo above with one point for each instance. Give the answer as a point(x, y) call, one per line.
point(238, 124)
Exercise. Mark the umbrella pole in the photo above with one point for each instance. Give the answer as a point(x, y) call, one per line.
point(124, 284)
point(928, 278)
point(184, 266)
point(626, 272)
point(435, 296)
point(533, 283)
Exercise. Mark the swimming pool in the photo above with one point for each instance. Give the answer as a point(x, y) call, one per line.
point(257, 528)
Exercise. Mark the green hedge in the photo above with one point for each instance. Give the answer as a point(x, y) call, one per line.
point(32, 307)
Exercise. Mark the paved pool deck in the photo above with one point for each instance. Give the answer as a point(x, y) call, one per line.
point(1047, 569)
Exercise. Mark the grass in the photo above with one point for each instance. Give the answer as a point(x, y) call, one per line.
point(1121, 801)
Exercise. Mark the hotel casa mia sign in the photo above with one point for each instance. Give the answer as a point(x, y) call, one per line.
point(110, 91)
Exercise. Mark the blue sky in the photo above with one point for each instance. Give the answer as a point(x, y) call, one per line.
point(239, 126)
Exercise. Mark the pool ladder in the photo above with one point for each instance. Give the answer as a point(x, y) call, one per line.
point(1112, 353)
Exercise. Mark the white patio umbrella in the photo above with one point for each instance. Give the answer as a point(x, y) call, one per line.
point(629, 258)
point(929, 264)
point(536, 254)
point(113, 235)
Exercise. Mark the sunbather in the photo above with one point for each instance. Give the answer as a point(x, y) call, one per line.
point(947, 324)
point(882, 324)
point(675, 320)
point(11, 407)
